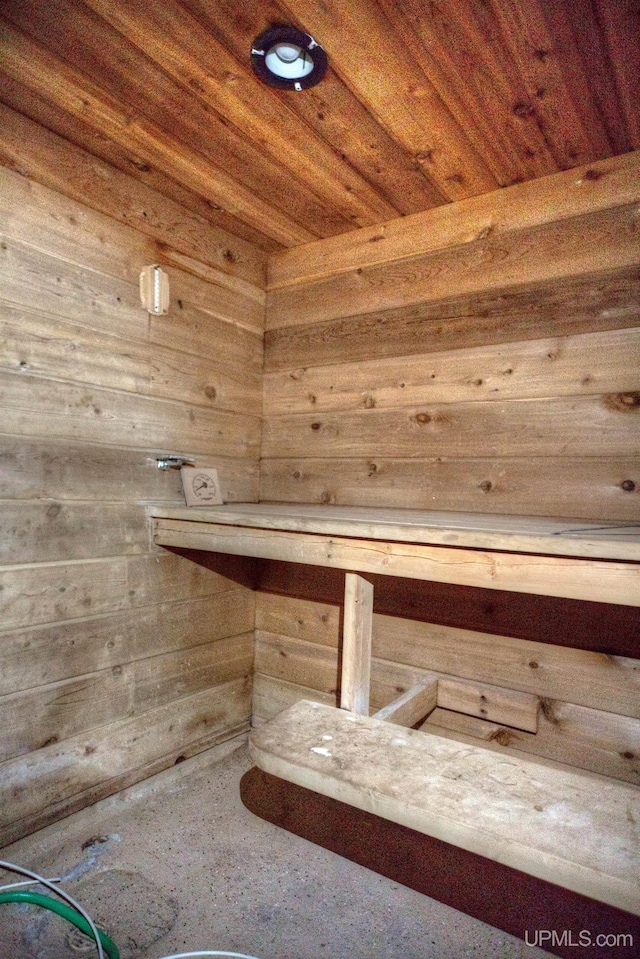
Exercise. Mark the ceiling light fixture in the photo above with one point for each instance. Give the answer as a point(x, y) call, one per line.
point(288, 59)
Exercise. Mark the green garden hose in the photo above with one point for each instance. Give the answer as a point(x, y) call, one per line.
point(61, 908)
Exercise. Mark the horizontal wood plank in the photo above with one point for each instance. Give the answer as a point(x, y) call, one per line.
point(57, 470)
point(578, 736)
point(580, 246)
point(61, 778)
point(41, 655)
point(590, 487)
point(600, 425)
point(47, 346)
point(542, 669)
point(50, 592)
point(35, 406)
point(575, 192)
point(493, 703)
point(565, 307)
point(604, 581)
point(561, 366)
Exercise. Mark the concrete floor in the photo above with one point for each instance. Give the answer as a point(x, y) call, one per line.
point(178, 864)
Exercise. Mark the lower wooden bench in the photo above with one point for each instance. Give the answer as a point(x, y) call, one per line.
point(575, 829)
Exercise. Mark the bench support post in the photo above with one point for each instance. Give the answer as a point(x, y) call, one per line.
point(356, 644)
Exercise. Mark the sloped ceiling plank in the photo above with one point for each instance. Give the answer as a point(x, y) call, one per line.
point(25, 60)
point(462, 53)
point(54, 162)
point(198, 62)
point(34, 107)
point(74, 34)
point(386, 78)
point(330, 109)
point(592, 48)
point(539, 36)
point(620, 20)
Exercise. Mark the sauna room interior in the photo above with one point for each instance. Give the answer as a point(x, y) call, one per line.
point(362, 279)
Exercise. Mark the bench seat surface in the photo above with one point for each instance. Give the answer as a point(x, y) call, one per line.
point(572, 828)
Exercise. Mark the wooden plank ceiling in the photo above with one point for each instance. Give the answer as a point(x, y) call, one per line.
point(425, 101)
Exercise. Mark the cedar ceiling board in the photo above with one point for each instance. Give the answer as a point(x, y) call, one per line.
point(330, 108)
point(71, 89)
point(196, 61)
point(103, 56)
point(79, 38)
point(621, 25)
point(474, 75)
point(72, 129)
point(389, 81)
point(607, 301)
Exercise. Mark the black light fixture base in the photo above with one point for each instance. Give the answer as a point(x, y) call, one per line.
point(305, 72)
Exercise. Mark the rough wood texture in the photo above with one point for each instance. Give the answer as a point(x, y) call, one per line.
point(459, 794)
point(356, 644)
point(419, 106)
point(115, 656)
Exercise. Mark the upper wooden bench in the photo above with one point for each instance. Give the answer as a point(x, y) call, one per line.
point(554, 557)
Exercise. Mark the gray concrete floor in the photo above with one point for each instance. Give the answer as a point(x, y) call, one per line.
point(177, 864)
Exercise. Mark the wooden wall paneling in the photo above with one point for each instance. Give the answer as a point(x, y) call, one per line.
point(39, 717)
point(32, 64)
point(593, 737)
point(561, 366)
point(271, 696)
point(586, 189)
point(64, 777)
point(170, 676)
point(619, 24)
point(599, 628)
point(36, 593)
point(543, 668)
point(53, 161)
point(560, 426)
point(37, 656)
point(303, 619)
point(32, 406)
point(33, 468)
point(53, 531)
point(44, 345)
point(588, 487)
point(562, 308)
point(579, 246)
point(90, 399)
point(595, 680)
point(584, 738)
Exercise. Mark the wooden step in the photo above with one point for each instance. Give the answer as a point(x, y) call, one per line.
point(572, 828)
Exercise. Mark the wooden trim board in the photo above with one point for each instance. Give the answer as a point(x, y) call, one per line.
point(572, 577)
point(571, 828)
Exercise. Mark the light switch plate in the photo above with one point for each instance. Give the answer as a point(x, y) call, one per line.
point(201, 486)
